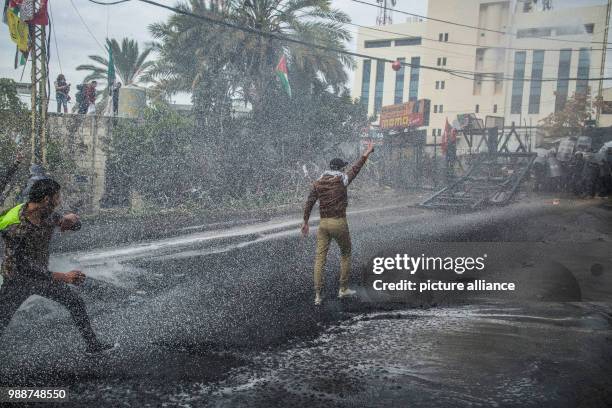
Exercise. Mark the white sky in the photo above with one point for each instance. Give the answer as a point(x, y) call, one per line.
point(131, 20)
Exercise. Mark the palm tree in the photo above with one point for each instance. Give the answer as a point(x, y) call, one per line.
point(130, 63)
point(216, 63)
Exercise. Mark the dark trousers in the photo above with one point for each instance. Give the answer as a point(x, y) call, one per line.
point(15, 291)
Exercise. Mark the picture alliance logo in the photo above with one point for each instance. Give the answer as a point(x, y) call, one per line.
point(411, 264)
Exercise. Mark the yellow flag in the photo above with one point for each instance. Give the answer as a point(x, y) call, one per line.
point(18, 30)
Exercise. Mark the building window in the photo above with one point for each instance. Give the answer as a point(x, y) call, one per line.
point(584, 62)
point(444, 61)
point(495, 108)
point(413, 89)
point(377, 44)
point(556, 31)
point(408, 41)
point(378, 85)
point(441, 37)
point(437, 84)
point(399, 83)
point(477, 84)
point(477, 109)
point(439, 61)
point(565, 60)
point(535, 87)
point(516, 103)
point(569, 30)
point(440, 108)
point(435, 108)
point(534, 32)
point(499, 83)
point(442, 84)
point(365, 82)
point(445, 37)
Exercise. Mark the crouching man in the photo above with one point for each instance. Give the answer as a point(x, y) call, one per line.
point(331, 192)
point(26, 230)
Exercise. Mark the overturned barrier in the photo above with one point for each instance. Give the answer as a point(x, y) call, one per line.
point(493, 179)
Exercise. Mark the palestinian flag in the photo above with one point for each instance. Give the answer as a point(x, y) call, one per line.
point(281, 72)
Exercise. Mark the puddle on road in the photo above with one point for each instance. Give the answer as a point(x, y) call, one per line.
point(437, 356)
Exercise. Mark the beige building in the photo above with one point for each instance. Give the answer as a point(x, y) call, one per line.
point(562, 42)
point(605, 119)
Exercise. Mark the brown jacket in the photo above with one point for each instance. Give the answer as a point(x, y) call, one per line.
point(331, 193)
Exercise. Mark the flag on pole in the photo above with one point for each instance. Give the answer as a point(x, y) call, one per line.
point(281, 72)
point(445, 137)
point(18, 30)
point(110, 77)
point(41, 17)
point(110, 73)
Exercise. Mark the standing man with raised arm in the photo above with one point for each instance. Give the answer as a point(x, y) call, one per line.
point(331, 192)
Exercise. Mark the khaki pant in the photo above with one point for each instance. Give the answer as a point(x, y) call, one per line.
point(336, 229)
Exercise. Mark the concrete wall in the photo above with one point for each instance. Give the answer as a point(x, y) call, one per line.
point(83, 138)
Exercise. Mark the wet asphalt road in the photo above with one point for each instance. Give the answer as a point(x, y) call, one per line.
point(226, 318)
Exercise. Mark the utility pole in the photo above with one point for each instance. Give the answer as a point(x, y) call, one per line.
point(603, 61)
point(384, 13)
point(39, 96)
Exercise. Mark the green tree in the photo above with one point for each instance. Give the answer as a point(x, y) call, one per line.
point(571, 119)
point(219, 65)
point(14, 121)
point(216, 64)
point(130, 64)
point(153, 157)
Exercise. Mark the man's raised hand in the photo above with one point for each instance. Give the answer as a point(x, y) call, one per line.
point(369, 149)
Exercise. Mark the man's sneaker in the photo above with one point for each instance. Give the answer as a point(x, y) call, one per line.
point(343, 293)
point(318, 299)
point(101, 347)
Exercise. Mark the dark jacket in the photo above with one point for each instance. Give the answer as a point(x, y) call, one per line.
point(26, 245)
point(331, 192)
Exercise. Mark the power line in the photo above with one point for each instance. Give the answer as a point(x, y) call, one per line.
point(404, 34)
point(52, 24)
point(477, 46)
point(85, 24)
point(440, 50)
point(478, 28)
point(276, 36)
point(112, 3)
